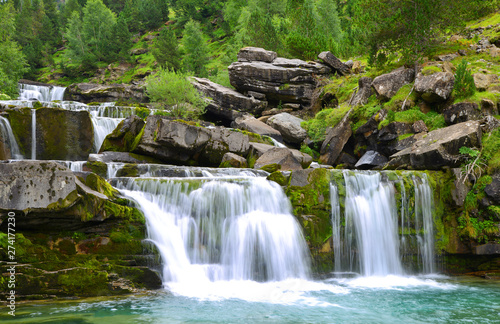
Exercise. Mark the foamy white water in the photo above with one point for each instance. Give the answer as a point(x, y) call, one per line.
point(6, 130)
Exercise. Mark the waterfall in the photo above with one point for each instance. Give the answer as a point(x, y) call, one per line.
point(221, 229)
point(33, 134)
point(40, 93)
point(369, 242)
point(102, 127)
point(6, 130)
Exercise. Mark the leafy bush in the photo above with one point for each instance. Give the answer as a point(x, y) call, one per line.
point(317, 126)
point(464, 82)
point(175, 93)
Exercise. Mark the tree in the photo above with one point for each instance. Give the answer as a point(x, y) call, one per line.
point(175, 93)
point(196, 49)
point(12, 61)
point(408, 27)
point(166, 50)
point(122, 43)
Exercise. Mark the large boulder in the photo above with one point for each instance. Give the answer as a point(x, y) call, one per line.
point(387, 85)
point(178, 142)
point(251, 124)
point(286, 80)
point(250, 54)
point(91, 92)
point(123, 136)
point(332, 61)
point(278, 156)
point(461, 112)
point(225, 102)
point(231, 160)
point(436, 87)
point(371, 159)
point(258, 149)
point(439, 148)
point(289, 127)
point(336, 138)
point(364, 92)
point(483, 80)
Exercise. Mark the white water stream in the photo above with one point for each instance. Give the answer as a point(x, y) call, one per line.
point(7, 133)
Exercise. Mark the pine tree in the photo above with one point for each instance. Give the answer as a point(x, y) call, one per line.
point(166, 50)
point(121, 42)
point(196, 49)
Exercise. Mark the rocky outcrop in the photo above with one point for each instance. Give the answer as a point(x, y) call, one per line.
point(91, 92)
point(177, 142)
point(281, 157)
point(227, 103)
point(461, 112)
point(251, 124)
point(439, 148)
point(364, 92)
point(285, 80)
point(336, 138)
point(436, 87)
point(250, 54)
point(387, 85)
point(60, 134)
point(333, 62)
point(289, 127)
point(123, 136)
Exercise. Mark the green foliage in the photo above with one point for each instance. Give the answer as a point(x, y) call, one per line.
point(175, 93)
point(317, 126)
point(196, 49)
point(121, 36)
point(12, 61)
point(464, 82)
point(166, 50)
point(432, 119)
point(491, 151)
point(430, 69)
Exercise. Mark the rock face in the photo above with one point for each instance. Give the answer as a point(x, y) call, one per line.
point(90, 92)
point(436, 87)
point(335, 140)
point(256, 126)
point(227, 103)
point(440, 147)
point(250, 54)
point(387, 85)
point(180, 143)
point(289, 127)
point(63, 134)
point(286, 80)
point(364, 92)
point(122, 138)
point(280, 156)
point(461, 112)
point(34, 184)
point(334, 63)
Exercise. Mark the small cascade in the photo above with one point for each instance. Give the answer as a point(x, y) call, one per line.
point(6, 130)
point(369, 241)
point(112, 168)
point(220, 229)
point(40, 93)
point(102, 127)
point(33, 134)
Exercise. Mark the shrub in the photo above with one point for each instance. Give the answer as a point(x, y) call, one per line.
point(175, 93)
point(464, 82)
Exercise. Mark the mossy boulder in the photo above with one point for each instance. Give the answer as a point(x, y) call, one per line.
point(124, 135)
